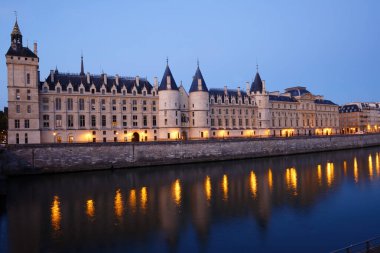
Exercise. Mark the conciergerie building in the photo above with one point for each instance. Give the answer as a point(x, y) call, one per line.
point(84, 107)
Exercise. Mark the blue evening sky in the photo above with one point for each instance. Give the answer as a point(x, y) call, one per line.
point(330, 46)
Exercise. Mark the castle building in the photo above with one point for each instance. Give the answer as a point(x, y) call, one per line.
point(83, 107)
point(359, 118)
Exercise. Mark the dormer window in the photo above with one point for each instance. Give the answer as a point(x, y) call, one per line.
point(70, 90)
point(103, 91)
point(144, 93)
point(124, 92)
point(58, 90)
point(134, 93)
point(45, 89)
point(81, 90)
point(154, 93)
point(92, 91)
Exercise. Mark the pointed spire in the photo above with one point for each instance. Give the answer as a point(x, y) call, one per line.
point(257, 84)
point(81, 65)
point(198, 83)
point(168, 81)
point(16, 29)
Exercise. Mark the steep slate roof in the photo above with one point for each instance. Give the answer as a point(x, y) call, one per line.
point(98, 80)
point(257, 84)
point(23, 52)
point(349, 108)
point(324, 102)
point(282, 98)
point(230, 93)
point(163, 85)
point(297, 91)
point(194, 84)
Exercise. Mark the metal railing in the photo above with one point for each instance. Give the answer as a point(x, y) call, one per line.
point(367, 246)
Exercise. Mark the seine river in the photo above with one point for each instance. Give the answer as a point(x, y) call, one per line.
point(302, 203)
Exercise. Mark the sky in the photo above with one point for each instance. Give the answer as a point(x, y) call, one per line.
point(330, 46)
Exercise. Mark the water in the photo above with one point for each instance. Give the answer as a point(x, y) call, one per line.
point(304, 203)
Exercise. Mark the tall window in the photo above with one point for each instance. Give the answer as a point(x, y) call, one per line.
point(17, 123)
point(18, 108)
point(82, 122)
point(45, 104)
point(27, 78)
point(93, 104)
point(17, 138)
point(104, 120)
point(134, 120)
point(58, 104)
point(134, 103)
point(70, 104)
point(70, 121)
point(103, 104)
point(145, 120)
point(58, 120)
point(28, 95)
point(114, 120)
point(45, 120)
point(26, 123)
point(17, 94)
point(154, 121)
point(93, 120)
point(26, 138)
point(124, 120)
point(81, 104)
point(113, 104)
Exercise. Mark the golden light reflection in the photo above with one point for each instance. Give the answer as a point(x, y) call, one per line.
point(118, 204)
point(208, 188)
point(270, 179)
point(90, 208)
point(225, 187)
point(56, 214)
point(319, 173)
point(176, 191)
point(291, 179)
point(143, 198)
point(377, 164)
point(329, 173)
point(132, 200)
point(253, 184)
point(370, 167)
point(345, 167)
point(356, 173)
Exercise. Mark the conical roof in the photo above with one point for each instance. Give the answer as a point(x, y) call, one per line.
point(257, 84)
point(16, 29)
point(164, 82)
point(194, 85)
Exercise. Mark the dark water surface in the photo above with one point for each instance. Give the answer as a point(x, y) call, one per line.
point(304, 203)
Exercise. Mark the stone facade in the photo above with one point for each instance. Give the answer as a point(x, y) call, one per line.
point(77, 108)
point(359, 118)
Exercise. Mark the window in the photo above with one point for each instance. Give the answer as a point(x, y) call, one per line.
point(134, 93)
point(70, 121)
point(17, 139)
point(18, 108)
point(124, 105)
point(154, 120)
point(81, 90)
point(58, 104)
point(27, 78)
point(17, 123)
point(70, 90)
point(93, 104)
point(58, 90)
point(113, 104)
point(45, 89)
point(93, 120)
point(70, 104)
point(45, 104)
point(145, 121)
point(92, 91)
point(26, 123)
point(29, 109)
point(26, 138)
point(212, 122)
point(103, 91)
point(17, 94)
point(134, 103)
point(103, 104)
point(114, 120)
point(168, 135)
point(124, 120)
point(166, 122)
point(82, 122)
point(104, 120)
point(219, 122)
point(45, 120)
point(134, 120)
point(113, 92)
point(58, 120)
point(81, 104)
point(28, 95)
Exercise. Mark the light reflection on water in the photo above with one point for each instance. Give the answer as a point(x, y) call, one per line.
point(157, 209)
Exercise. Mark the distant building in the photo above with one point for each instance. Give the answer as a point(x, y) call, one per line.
point(359, 118)
point(83, 107)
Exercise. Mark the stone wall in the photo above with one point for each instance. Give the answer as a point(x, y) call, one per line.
point(51, 158)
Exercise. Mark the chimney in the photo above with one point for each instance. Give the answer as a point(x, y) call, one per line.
point(263, 86)
point(35, 48)
point(168, 83)
point(117, 79)
point(199, 84)
point(88, 78)
point(155, 82)
point(238, 90)
point(247, 88)
point(137, 81)
point(52, 75)
point(225, 90)
point(105, 78)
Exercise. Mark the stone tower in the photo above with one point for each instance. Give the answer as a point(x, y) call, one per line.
point(169, 118)
point(261, 98)
point(23, 82)
point(199, 107)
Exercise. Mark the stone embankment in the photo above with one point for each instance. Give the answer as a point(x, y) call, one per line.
point(52, 158)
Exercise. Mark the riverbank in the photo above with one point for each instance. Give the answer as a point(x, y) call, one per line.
point(54, 158)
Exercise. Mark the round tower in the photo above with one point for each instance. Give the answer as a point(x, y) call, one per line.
point(199, 124)
point(169, 108)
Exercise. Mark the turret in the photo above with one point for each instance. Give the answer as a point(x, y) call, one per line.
point(169, 107)
point(199, 107)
